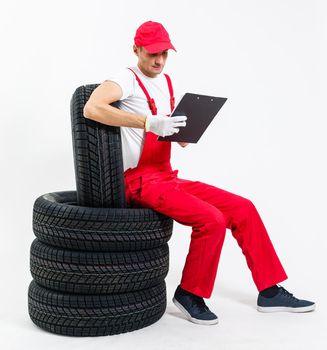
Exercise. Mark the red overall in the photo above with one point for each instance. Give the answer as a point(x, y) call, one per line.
point(207, 209)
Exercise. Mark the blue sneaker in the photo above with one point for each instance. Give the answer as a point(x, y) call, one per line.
point(194, 307)
point(284, 301)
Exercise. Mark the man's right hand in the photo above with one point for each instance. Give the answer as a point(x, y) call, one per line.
point(164, 125)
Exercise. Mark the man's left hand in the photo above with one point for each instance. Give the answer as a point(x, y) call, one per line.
point(183, 144)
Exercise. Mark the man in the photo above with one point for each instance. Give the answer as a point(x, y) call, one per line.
point(146, 99)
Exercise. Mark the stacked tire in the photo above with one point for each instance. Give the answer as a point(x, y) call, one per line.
point(98, 265)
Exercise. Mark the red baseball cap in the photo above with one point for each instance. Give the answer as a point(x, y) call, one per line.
point(153, 37)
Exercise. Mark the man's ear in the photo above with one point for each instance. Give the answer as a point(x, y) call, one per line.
point(135, 49)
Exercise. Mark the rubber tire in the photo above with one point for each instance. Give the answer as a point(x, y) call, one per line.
point(58, 221)
point(95, 315)
point(98, 160)
point(97, 272)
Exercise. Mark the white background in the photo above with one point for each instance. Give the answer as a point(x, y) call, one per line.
point(267, 144)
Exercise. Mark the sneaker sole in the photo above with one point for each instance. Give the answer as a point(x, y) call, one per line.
point(284, 308)
point(192, 319)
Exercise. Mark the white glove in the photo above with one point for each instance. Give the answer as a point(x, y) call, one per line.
point(163, 125)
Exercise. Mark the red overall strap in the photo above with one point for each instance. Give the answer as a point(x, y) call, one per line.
point(171, 91)
point(151, 101)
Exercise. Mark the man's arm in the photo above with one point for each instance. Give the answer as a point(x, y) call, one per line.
point(98, 107)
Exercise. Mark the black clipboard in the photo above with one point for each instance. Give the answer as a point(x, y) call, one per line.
point(200, 111)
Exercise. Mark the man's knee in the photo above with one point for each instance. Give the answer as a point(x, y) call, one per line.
point(245, 209)
point(216, 218)
point(244, 203)
point(248, 204)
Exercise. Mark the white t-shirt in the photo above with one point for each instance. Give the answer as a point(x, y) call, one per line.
point(135, 101)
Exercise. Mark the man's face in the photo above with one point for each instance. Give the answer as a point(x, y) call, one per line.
point(151, 64)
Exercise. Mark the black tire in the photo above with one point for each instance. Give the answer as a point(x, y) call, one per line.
point(97, 272)
point(98, 160)
point(95, 315)
point(58, 221)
